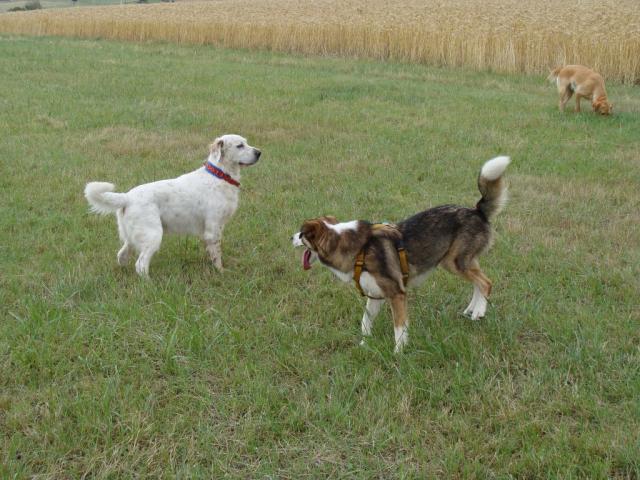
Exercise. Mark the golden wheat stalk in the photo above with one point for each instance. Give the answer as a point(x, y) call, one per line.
point(498, 35)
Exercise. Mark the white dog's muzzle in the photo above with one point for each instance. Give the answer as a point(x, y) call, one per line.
point(256, 157)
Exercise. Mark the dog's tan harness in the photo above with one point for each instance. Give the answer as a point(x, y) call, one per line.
point(402, 256)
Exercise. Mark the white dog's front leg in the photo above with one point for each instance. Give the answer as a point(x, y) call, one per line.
point(215, 252)
point(370, 313)
point(214, 248)
point(213, 241)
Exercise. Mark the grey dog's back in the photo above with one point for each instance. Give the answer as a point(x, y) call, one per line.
point(429, 235)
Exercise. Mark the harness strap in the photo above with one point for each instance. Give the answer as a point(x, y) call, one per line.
point(359, 265)
point(357, 271)
point(404, 264)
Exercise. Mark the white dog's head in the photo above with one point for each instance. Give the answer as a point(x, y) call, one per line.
point(233, 150)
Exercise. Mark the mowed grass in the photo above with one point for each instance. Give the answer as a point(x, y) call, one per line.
point(257, 372)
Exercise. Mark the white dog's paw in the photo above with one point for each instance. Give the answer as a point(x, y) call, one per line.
point(123, 256)
point(142, 269)
point(218, 265)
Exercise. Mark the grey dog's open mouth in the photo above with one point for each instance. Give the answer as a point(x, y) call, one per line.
point(306, 259)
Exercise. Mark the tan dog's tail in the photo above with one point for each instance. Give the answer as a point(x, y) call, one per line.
point(553, 75)
point(492, 187)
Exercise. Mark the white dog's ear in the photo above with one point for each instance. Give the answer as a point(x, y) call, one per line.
point(215, 148)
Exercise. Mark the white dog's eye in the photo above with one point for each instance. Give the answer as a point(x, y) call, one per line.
point(241, 146)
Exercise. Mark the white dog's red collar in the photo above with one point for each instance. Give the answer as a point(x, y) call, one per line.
point(219, 173)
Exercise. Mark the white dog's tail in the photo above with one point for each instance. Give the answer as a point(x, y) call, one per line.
point(103, 199)
point(492, 187)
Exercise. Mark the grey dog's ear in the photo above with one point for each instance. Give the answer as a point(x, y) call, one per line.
point(216, 146)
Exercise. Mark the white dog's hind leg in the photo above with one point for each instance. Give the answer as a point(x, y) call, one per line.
point(123, 254)
point(370, 313)
point(213, 240)
point(125, 251)
point(146, 254)
point(147, 239)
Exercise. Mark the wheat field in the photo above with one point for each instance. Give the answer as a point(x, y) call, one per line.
point(498, 35)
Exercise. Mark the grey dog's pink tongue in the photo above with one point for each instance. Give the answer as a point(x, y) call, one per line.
point(306, 256)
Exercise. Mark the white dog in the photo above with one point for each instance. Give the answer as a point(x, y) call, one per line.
point(197, 203)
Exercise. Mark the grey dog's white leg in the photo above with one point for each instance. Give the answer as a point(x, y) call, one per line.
point(370, 313)
point(472, 303)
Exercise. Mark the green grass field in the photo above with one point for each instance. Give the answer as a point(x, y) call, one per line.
point(257, 372)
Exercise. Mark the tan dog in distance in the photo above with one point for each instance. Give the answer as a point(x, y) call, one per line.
point(585, 83)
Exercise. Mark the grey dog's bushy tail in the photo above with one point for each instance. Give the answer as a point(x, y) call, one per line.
point(493, 187)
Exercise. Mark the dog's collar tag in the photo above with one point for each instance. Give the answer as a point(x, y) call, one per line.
point(219, 173)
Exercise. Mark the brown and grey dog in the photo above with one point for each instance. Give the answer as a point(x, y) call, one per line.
point(585, 83)
point(450, 236)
